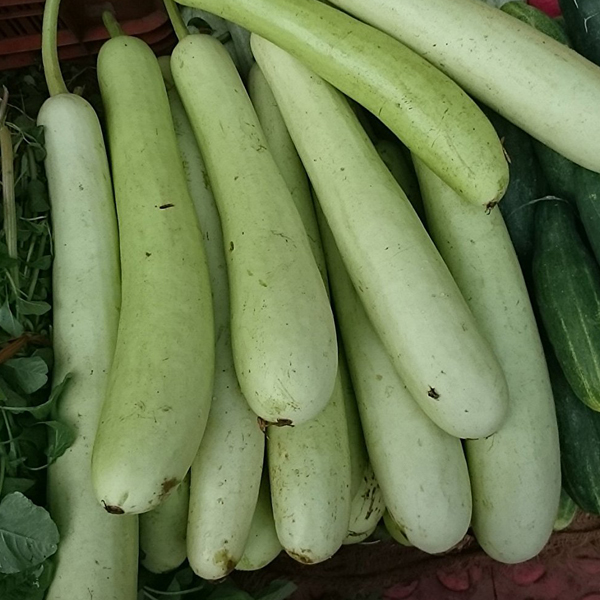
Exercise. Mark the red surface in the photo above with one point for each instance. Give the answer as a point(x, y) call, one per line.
point(567, 569)
point(81, 32)
point(549, 6)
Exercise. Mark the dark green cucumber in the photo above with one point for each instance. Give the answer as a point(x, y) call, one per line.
point(566, 511)
point(567, 288)
point(579, 433)
point(526, 185)
point(566, 179)
point(582, 18)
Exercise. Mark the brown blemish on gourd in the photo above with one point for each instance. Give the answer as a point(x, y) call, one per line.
point(113, 510)
point(302, 556)
point(490, 206)
point(225, 560)
point(432, 393)
point(163, 206)
point(168, 485)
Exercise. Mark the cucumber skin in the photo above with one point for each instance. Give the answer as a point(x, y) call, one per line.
point(97, 554)
point(583, 25)
point(424, 108)
point(156, 409)
point(567, 288)
point(579, 429)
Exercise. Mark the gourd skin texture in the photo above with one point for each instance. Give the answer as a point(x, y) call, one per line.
point(230, 457)
point(161, 382)
point(423, 107)
point(515, 473)
point(405, 286)
point(282, 327)
point(534, 81)
point(97, 553)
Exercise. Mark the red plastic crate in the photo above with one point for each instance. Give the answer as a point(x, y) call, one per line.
point(80, 30)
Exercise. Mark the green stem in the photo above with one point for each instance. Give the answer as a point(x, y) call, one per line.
point(54, 78)
point(2, 470)
point(36, 272)
point(3, 105)
point(112, 25)
point(8, 193)
point(179, 26)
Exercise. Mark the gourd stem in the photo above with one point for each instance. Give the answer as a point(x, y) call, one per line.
point(112, 25)
point(54, 79)
point(179, 26)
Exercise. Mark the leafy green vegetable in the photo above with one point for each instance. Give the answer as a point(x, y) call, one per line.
point(60, 438)
point(31, 372)
point(27, 585)
point(28, 536)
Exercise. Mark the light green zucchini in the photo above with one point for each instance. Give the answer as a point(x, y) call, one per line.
point(310, 475)
point(263, 545)
point(553, 92)
point(424, 108)
point(283, 333)
point(163, 531)
point(421, 469)
point(97, 554)
point(161, 381)
point(226, 473)
point(515, 473)
point(406, 288)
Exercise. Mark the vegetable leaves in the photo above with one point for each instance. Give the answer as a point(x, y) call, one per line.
point(28, 536)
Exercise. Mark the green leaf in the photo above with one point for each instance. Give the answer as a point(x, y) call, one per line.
point(10, 400)
point(38, 196)
point(37, 307)
point(27, 585)
point(42, 263)
point(41, 411)
point(8, 321)
point(16, 484)
point(60, 438)
point(229, 591)
point(6, 262)
point(277, 590)
point(28, 536)
point(31, 372)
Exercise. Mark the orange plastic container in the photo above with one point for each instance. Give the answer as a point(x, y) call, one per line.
point(81, 32)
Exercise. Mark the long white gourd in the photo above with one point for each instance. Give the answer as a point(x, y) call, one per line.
point(312, 466)
point(163, 531)
point(282, 328)
point(226, 472)
point(424, 108)
point(421, 469)
point(545, 88)
point(310, 474)
point(161, 380)
point(263, 545)
point(98, 553)
point(515, 473)
point(407, 290)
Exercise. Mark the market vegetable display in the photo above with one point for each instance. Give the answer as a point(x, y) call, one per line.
point(289, 315)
